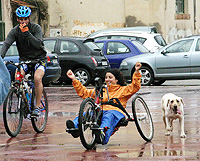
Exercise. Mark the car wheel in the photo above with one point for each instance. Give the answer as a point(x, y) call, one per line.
point(82, 75)
point(158, 82)
point(147, 76)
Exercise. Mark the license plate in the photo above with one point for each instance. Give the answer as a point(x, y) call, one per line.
point(104, 63)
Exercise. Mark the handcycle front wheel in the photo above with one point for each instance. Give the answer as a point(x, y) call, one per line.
point(142, 118)
point(39, 122)
point(86, 114)
point(12, 112)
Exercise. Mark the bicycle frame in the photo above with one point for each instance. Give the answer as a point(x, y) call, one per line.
point(114, 101)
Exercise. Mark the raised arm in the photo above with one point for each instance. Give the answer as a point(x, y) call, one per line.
point(81, 90)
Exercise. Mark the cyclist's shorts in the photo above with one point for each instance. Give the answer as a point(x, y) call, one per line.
point(36, 66)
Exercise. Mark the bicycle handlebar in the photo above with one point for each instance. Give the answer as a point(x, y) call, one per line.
point(23, 62)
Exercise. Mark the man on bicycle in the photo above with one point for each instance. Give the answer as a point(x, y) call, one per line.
point(29, 41)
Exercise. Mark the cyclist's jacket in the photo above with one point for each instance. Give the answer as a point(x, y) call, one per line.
point(123, 93)
point(29, 44)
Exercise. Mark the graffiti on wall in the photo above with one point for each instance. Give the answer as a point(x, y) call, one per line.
point(84, 28)
point(175, 34)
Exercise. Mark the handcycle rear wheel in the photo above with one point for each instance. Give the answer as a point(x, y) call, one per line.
point(142, 118)
point(12, 112)
point(86, 113)
point(39, 122)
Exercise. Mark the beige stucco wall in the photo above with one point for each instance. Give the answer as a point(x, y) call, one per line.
point(79, 18)
point(161, 13)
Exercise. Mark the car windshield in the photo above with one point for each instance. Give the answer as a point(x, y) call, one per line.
point(141, 47)
point(159, 39)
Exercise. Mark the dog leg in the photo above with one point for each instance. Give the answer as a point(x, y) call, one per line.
point(164, 121)
point(168, 129)
point(181, 121)
point(171, 124)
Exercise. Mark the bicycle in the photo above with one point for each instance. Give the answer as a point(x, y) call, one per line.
point(20, 103)
point(90, 116)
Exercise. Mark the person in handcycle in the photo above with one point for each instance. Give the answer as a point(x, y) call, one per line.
point(117, 88)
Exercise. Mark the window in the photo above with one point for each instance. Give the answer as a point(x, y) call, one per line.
point(117, 48)
point(68, 46)
point(140, 39)
point(181, 46)
point(50, 45)
point(100, 45)
point(101, 38)
point(180, 6)
point(197, 48)
point(159, 39)
point(141, 47)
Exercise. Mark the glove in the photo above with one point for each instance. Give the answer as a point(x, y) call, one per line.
point(23, 27)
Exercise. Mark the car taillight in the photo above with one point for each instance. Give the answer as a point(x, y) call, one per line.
point(48, 59)
point(94, 61)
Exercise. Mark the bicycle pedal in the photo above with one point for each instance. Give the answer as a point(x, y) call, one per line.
point(72, 129)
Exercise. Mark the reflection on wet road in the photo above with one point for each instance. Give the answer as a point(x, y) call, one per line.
point(126, 144)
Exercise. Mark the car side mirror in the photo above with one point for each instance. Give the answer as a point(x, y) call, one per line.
point(164, 52)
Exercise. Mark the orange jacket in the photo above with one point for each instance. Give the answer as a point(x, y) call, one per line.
point(123, 93)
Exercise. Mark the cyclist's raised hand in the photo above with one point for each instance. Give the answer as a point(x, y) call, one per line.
point(71, 75)
point(137, 67)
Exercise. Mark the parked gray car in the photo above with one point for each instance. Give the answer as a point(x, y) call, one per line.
point(178, 60)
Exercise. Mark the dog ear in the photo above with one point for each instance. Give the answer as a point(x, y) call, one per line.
point(168, 102)
point(182, 101)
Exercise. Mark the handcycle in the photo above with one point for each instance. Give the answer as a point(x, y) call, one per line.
point(90, 114)
point(20, 102)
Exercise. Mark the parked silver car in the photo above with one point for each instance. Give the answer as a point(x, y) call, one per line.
point(178, 60)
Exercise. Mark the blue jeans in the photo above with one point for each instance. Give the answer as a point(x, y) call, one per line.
point(110, 119)
point(4, 81)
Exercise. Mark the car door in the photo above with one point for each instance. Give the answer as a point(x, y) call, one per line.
point(67, 50)
point(175, 60)
point(195, 60)
point(116, 52)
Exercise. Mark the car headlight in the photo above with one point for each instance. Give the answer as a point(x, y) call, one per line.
point(123, 63)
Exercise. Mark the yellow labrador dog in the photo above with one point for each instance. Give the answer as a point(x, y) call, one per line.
point(172, 106)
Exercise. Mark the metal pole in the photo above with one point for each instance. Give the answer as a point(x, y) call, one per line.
point(194, 14)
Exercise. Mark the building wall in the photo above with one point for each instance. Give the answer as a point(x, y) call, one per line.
point(81, 17)
point(6, 15)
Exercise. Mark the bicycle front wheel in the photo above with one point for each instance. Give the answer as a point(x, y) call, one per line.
point(39, 122)
point(12, 112)
point(86, 113)
point(142, 118)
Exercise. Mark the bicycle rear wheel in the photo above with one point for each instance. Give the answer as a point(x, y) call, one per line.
point(12, 112)
point(39, 122)
point(142, 118)
point(86, 114)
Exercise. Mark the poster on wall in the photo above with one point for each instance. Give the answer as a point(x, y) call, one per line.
point(55, 32)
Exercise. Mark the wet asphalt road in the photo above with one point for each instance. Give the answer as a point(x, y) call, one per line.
point(126, 144)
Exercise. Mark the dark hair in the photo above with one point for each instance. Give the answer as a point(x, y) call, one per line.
point(118, 75)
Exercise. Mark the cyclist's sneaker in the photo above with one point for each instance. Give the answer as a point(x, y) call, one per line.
point(99, 136)
point(36, 112)
point(71, 129)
